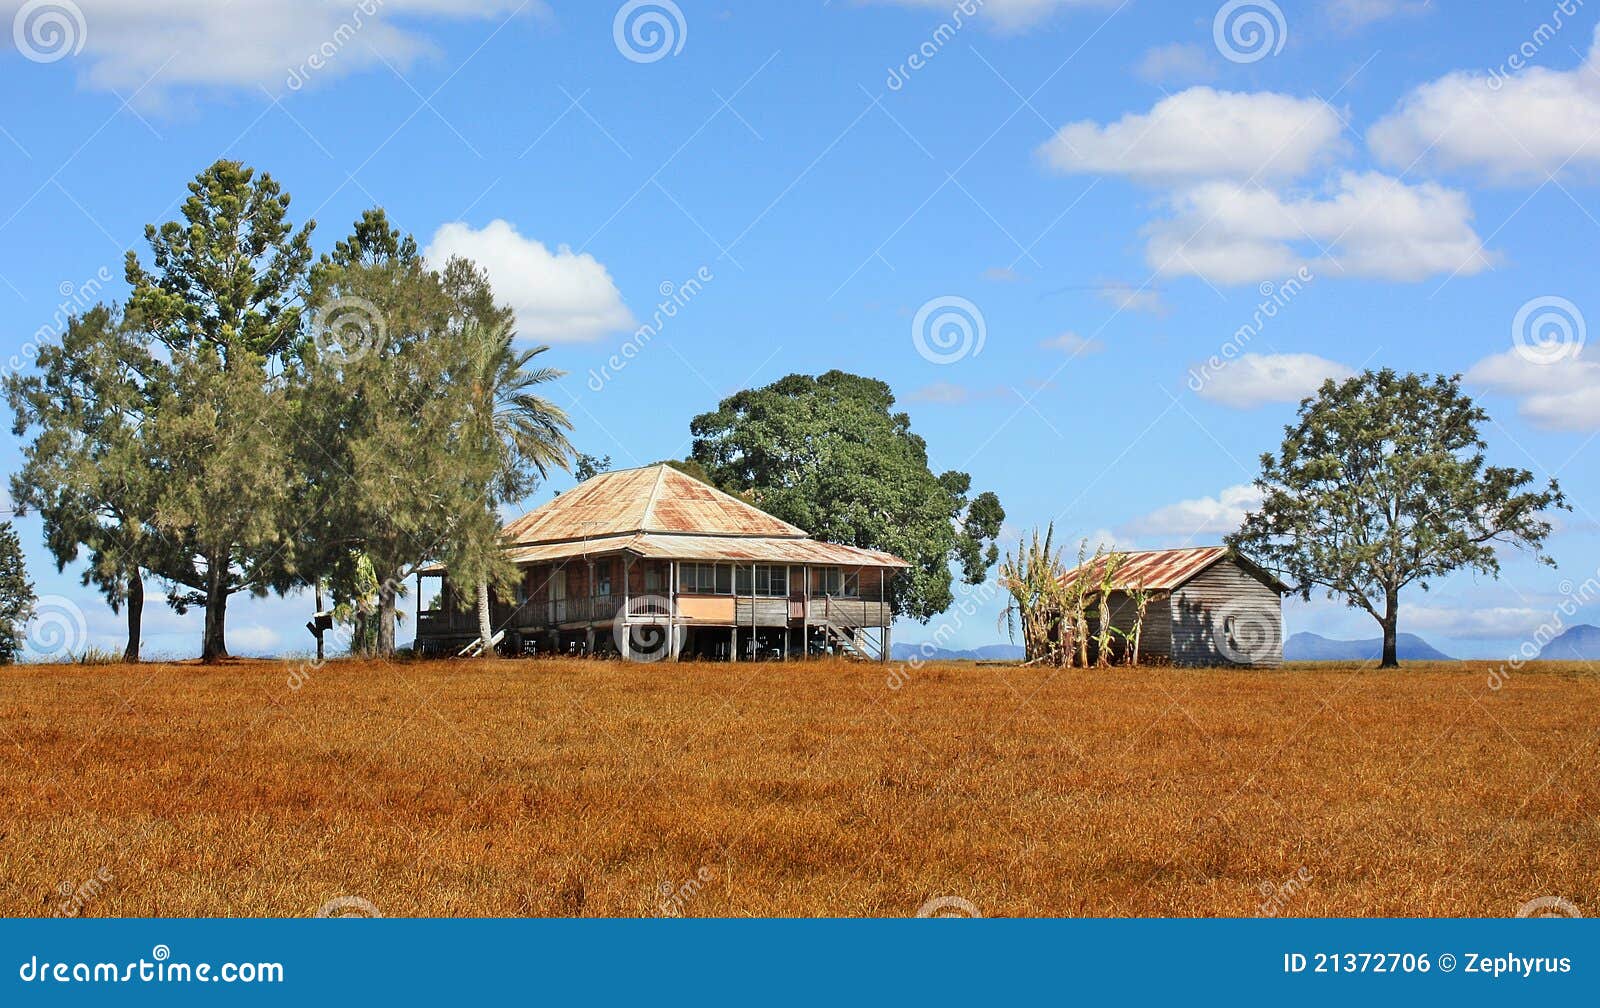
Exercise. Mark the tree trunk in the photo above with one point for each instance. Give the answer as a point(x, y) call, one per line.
point(386, 618)
point(320, 654)
point(214, 646)
point(485, 628)
point(1390, 622)
point(135, 603)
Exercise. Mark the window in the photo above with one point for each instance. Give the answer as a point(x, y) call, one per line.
point(652, 578)
point(602, 578)
point(705, 579)
point(771, 580)
point(838, 582)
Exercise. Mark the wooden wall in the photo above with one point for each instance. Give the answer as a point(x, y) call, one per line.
point(1203, 606)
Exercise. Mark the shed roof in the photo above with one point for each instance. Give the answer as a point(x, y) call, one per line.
point(1169, 569)
point(655, 498)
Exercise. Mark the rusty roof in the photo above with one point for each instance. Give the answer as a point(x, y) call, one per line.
point(655, 498)
point(1166, 570)
point(666, 546)
point(661, 513)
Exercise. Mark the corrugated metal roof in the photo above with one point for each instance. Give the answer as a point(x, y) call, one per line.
point(757, 549)
point(655, 498)
point(762, 549)
point(1163, 570)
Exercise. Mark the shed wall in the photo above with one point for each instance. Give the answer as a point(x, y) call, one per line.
point(1226, 598)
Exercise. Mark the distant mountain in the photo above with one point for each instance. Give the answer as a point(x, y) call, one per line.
point(1305, 646)
point(928, 652)
point(1579, 643)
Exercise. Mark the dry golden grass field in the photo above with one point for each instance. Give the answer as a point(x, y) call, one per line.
point(591, 788)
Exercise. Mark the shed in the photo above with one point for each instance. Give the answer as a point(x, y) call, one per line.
point(1208, 606)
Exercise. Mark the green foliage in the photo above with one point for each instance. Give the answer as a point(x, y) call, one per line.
point(828, 454)
point(1382, 483)
point(16, 595)
point(230, 273)
point(89, 471)
point(224, 299)
point(587, 467)
point(418, 432)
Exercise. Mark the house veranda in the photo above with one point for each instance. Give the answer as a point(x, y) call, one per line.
point(652, 564)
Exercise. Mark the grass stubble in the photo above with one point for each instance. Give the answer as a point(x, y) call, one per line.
point(568, 787)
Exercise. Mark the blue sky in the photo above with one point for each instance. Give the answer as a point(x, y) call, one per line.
point(1107, 193)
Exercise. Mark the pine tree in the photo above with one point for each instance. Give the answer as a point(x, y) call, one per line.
point(223, 298)
point(16, 595)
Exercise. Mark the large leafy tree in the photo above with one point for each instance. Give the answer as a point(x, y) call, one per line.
point(1382, 483)
point(417, 416)
point(16, 595)
point(830, 454)
point(223, 296)
point(88, 470)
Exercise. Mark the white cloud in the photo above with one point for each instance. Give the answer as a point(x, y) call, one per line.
point(1072, 343)
point(1561, 395)
point(1368, 224)
point(1254, 379)
point(1129, 298)
point(1512, 126)
point(942, 393)
point(1009, 15)
point(1217, 515)
point(1176, 62)
point(1474, 622)
point(1204, 133)
point(253, 640)
point(560, 297)
point(130, 45)
point(1353, 14)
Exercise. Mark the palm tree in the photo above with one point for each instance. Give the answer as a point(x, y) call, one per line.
point(527, 430)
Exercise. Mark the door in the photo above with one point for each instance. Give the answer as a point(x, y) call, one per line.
point(558, 595)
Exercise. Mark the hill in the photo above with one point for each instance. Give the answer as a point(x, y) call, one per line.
point(928, 652)
point(1306, 646)
point(1579, 643)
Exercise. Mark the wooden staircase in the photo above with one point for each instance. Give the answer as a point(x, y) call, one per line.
point(850, 638)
